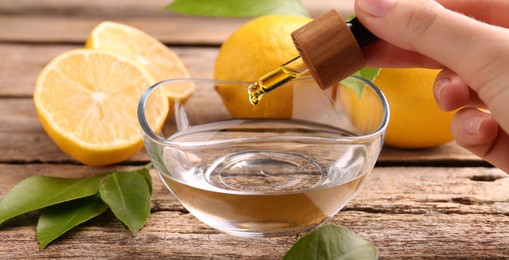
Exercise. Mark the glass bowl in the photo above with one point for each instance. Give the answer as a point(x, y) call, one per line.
point(280, 167)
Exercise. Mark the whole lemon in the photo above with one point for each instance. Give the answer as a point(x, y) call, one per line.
point(416, 121)
point(256, 48)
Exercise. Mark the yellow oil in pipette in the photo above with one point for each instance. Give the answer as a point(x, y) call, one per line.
point(296, 67)
point(272, 80)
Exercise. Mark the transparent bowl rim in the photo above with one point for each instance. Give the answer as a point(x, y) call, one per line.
point(149, 133)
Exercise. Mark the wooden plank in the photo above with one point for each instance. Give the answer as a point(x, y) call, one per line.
point(406, 212)
point(178, 30)
point(443, 154)
point(19, 124)
point(25, 140)
point(130, 8)
point(22, 139)
point(72, 21)
point(388, 190)
point(173, 235)
point(415, 212)
point(104, 8)
point(21, 64)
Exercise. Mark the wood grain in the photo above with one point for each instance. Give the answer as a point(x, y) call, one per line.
point(406, 212)
point(51, 21)
point(21, 64)
point(57, 29)
point(22, 139)
point(445, 155)
point(130, 8)
point(441, 202)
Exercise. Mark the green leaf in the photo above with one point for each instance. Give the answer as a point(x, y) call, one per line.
point(146, 174)
point(357, 86)
point(331, 242)
point(58, 219)
point(128, 196)
point(37, 192)
point(238, 8)
point(369, 73)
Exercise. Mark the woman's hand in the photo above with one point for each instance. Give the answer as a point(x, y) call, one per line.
point(473, 52)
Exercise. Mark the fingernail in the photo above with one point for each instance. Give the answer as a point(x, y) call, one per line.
point(473, 124)
point(441, 83)
point(377, 8)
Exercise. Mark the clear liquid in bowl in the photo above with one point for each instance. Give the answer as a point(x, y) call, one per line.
point(278, 177)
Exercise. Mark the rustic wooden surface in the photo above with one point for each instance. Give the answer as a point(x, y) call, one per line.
point(431, 203)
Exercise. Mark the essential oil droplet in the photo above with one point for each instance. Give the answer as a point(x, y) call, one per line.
point(276, 78)
point(255, 92)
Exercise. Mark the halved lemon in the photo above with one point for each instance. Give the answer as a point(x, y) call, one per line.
point(160, 61)
point(87, 101)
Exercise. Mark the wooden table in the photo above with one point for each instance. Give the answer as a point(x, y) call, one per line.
point(440, 202)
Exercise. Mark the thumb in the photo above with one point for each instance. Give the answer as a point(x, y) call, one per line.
point(426, 27)
point(476, 51)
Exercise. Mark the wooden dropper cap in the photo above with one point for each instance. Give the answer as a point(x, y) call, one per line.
point(331, 48)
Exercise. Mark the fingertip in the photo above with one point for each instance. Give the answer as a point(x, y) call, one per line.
point(376, 8)
point(439, 87)
point(450, 91)
point(478, 132)
point(474, 129)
